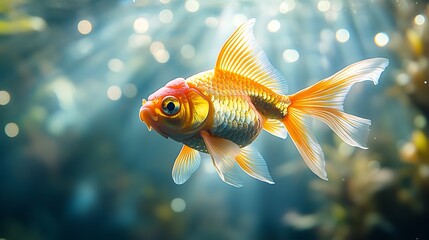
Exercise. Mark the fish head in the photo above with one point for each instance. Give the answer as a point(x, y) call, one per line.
point(175, 110)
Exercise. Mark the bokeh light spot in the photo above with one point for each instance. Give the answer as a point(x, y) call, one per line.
point(342, 35)
point(159, 52)
point(166, 16)
point(138, 40)
point(187, 51)
point(11, 129)
point(4, 97)
point(114, 93)
point(323, 5)
point(192, 5)
point(141, 25)
point(178, 205)
point(115, 65)
point(84, 26)
point(273, 26)
point(286, 6)
point(130, 90)
point(211, 22)
point(162, 56)
point(403, 79)
point(419, 19)
point(381, 39)
point(420, 121)
point(156, 46)
point(290, 55)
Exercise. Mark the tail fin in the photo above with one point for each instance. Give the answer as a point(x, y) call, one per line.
point(324, 100)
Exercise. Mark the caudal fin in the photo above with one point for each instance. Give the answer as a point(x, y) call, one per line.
point(324, 100)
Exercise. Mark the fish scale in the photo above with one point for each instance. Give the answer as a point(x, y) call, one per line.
point(239, 106)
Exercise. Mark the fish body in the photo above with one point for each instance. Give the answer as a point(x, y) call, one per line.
point(239, 105)
point(222, 111)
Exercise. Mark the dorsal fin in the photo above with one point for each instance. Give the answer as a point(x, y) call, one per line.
point(242, 55)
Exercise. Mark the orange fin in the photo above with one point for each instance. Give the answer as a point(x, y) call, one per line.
point(298, 125)
point(251, 161)
point(186, 164)
point(275, 127)
point(223, 153)
point(324, 100)
point(242, 55)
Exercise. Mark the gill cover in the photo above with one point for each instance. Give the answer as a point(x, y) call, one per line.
point(181, 109)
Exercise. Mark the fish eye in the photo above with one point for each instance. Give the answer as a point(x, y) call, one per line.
point(170, 105)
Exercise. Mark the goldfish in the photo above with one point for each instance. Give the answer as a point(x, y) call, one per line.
point(223, 110)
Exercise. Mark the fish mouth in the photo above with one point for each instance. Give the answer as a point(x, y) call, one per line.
point(149, 118)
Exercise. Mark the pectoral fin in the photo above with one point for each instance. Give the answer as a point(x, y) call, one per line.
point(223, 153)
point(251, 161)
point(185, 165)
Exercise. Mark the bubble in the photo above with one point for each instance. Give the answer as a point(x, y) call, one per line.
point(4, 97)
point(273, 26)
point(165, 16)
point(178, 205)
point(381, 39)
point(342, 35)
point(84, 26)
point(290, 55)
point(114, 93)
point(192, 5)
point(11, 129)
point(187, 51)
point(141, 25)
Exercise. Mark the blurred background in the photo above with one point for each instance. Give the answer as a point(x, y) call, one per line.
point(77, 163)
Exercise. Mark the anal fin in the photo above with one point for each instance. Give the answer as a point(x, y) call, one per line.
point(251, 161)
point(223, 153)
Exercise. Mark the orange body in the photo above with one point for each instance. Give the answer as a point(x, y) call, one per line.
point(238, 107)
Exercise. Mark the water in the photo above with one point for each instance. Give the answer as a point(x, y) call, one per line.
point(77, 163)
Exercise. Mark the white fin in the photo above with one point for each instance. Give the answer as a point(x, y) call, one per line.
point(251, 161)
point(186, 164)
point(275, 127)
point(223, 153)
point(242, 55)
